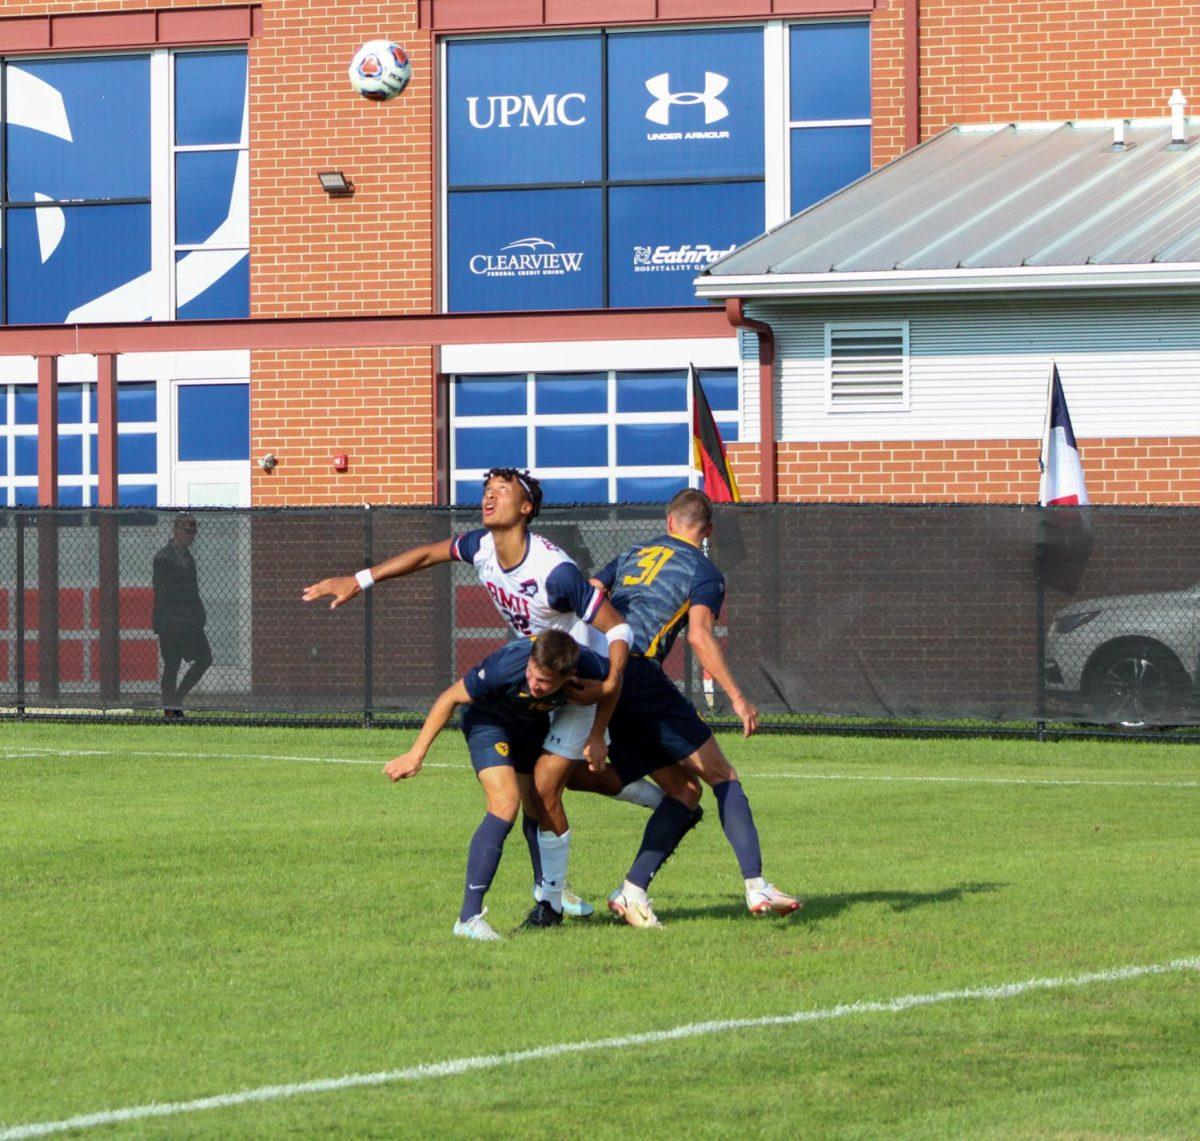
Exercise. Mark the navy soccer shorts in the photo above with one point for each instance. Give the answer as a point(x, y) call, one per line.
point(653, 725)
point(494, 740)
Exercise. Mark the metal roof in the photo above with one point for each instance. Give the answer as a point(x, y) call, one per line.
point(980, 200)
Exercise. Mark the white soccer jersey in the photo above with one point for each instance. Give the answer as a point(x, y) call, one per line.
point(545, 590)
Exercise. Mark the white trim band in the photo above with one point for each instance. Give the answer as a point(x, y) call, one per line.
point(365, 579)
point(620, 633)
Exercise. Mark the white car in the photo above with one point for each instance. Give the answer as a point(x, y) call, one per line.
point(1131, 659)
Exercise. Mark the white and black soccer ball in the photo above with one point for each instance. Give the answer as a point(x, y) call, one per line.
point(380, 70)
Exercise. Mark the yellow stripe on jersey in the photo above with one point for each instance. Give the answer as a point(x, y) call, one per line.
point(671, 623)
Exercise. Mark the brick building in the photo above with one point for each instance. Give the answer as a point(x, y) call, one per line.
point(161, 163)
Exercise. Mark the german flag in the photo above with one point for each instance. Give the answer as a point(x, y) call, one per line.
point(708, 449)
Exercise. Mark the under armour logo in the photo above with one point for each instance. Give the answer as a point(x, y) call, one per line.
point(660, 87)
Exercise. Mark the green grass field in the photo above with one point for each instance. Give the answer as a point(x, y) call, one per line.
point(190, 912)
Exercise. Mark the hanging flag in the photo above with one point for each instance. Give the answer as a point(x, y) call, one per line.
point(1062, 473)
point(708, 449)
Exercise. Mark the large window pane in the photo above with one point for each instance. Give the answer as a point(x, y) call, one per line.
point(533, 249)
point(25, 411)
point(524, 110)
point(649, 445)
point(204, 195)
point(210, 95)
point(214, 422)
point(649, 489)
point(720, 388)
point(26, 455)
point(491, 395)
point(661, 237)
point(137, 453)
point(79, 128)
point(137, 403)
point(831, 72)
point(572, 394)
point(575, 490)
point(212, 284)
point(652, 392)
point(685, 104)
point(572, 446)
point(490, 447)
point(824, 159)
point(137, 494)
point(98, 250)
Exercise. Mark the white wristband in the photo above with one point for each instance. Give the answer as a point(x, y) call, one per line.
point(620, 633)
point(365, 578)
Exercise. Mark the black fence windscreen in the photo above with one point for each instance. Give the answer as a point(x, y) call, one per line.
point(835, 614)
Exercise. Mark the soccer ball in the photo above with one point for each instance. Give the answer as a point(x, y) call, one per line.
point(380, 70)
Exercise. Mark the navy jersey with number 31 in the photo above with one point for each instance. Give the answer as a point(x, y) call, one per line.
point(654, 585)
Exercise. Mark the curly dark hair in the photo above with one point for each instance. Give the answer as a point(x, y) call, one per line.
point(529, 484)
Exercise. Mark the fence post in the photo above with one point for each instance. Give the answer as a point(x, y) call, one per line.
point(368, 623)
point(19, 616)
point(1040, 618)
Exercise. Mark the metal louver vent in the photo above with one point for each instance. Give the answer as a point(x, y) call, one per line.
point(868, 367)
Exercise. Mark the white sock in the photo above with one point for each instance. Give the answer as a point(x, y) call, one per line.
point(554, 850)
point(633, 893)
point(643, 792)
point(756, 884)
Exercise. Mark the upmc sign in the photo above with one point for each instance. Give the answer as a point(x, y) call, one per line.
point(524, 111)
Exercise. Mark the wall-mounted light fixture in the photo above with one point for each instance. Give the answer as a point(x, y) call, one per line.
point(335, 183)
point(268, 462)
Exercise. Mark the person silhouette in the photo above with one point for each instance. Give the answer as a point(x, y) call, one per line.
point(179, 616)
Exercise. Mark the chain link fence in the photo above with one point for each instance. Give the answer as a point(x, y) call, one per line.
point(839, 617)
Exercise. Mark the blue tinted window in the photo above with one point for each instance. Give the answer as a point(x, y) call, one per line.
point(525, 249)
point(3, 461)
point(210, 94)
point(26, 497)
point(571, 446)
point(661, 237)
point(137, 403)
point(209, 287)
point(831, 71)
point(575, 490)
point(649, 489)
point(70, 403)
point(644, 444)
point(26, 404)
point(70, 455)
point(567, 395)
point(523, 110)
point(101, 248)
point(490, 447)
point(137, 494)
point(93, 135)
point(490, 395)
point(203, 193)
point(137, 453)
point(652, 391)
point(214, 422)
point(721, 388)
point(686, 104)
point(729, 430)
point(26, 455)
point(824, 159)
point(468, 491)
point(70, 496)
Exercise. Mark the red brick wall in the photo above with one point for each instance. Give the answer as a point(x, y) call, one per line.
point(1140, 470)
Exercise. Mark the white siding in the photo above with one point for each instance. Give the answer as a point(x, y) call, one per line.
point(978, 368)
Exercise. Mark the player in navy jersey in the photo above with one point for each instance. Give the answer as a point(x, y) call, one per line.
point(660, 587)
point(535, 586)
point(507, 700)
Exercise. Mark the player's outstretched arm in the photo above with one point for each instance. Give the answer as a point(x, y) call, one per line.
point(409, 764)
point(342, 588)
point(703, 640)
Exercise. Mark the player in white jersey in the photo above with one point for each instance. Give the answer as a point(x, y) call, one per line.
point(535, 586)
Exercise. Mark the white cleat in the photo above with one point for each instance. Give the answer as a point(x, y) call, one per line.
point(767, 898)
point(476, 928)
point(575, 905)
point(635, 912)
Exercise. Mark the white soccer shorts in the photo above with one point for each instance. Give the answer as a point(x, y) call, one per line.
point(570, 728)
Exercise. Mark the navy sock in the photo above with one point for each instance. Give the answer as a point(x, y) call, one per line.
point(483, 858)
point(530, 827)
point(668, 824)
point(738, 823)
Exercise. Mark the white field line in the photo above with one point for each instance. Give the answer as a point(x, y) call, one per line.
point(455, 1066)
point(30, 754)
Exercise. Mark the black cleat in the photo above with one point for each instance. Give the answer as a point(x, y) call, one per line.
point(543, 915)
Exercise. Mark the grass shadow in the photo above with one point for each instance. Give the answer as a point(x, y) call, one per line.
point(818, 907)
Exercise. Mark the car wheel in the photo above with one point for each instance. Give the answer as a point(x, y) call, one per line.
point(1136, 684)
